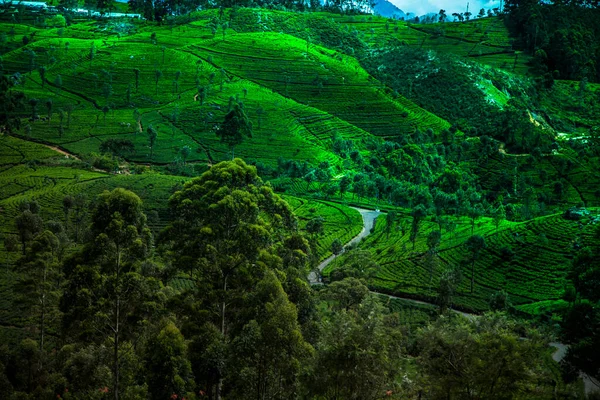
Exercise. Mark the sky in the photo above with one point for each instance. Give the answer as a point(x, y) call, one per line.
point(421, 7)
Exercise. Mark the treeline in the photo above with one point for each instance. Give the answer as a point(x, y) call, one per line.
point(158, 10)
point(109, 316)
point(564, 36)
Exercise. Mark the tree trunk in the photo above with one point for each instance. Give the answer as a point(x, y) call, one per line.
point(116, 331)
point(116, 354)
point(220, 382)
point(472, 275)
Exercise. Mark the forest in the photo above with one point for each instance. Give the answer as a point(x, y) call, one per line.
point(298, 200)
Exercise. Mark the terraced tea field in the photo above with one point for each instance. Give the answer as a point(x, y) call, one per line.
point(528, 260)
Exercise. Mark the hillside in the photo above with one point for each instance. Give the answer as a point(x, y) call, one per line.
point(100, 78)
point(283, 120)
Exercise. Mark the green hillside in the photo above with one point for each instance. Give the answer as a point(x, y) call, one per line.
point(174, 187)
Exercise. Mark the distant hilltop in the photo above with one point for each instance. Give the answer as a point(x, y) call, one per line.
point(388, 10)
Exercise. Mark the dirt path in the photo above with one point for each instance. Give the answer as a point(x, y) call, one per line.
point(368, 217)
point(63, 152)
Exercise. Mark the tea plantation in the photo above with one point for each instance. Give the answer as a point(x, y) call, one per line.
point(321, 112)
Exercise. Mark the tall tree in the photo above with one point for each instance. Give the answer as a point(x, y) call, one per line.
point(40, 272)
point(168, 369)
point(475, 244)
point(28, 224)
point(225, 222)
point(234, 128)
point(486, 358)
point(152, 135)
point(106, 295)
point(157, 75)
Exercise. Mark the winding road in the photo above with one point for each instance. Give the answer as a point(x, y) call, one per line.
point(369, 216)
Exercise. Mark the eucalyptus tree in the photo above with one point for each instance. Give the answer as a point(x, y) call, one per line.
point(225, 232)
point(42, 71)
point(157, 75)
point(152, 136)
point(475, 244)
point(108, 295)
point(235, 127)
point(49, 107)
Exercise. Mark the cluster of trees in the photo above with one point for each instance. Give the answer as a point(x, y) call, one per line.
point(159, 10)
point(563, 36)
point(107, 322)
point(581, 324)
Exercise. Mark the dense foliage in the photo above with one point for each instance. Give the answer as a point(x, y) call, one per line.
point(137, 263)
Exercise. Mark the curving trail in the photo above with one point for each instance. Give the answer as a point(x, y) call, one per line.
point(368, 217)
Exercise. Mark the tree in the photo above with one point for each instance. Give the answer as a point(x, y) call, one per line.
point(418, 213)
point(40, 270)
point(224, 27)
point(157, 75)
point(390, 222)
point(259, 112)
point(92, 53)
point(176, 81)
point(433, 241)
point(105, 110)
point(168, 369)
point(33, 103)
point(448, 282)
point(483, 358)
point(185, 153)
point(117, 147)
point(358, 354)
point(315, 226)
point(137, 116)
point(80, 212)
point(235, 127)
point(499, 215)
point(442, 16)
point(475, 213)
point(49, 106)
point(68, 202)
point(223, 75)
point(11, 103)
point(357, 264)
point(268, 354)
point(202, 95)
point(474, 245)
point(152, 135)
point(106, 291)
point(225, 223)
point(42, 71)
point(337, 247)
point(28, 224)
point(345, 183)
point(69, 109)
point(136, 73)
point(11, 245)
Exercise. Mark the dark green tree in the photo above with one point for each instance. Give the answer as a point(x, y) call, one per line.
point(107, 295)
point(152, 136)
point(235, 127)
point(475, 244)
point(226, 222)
